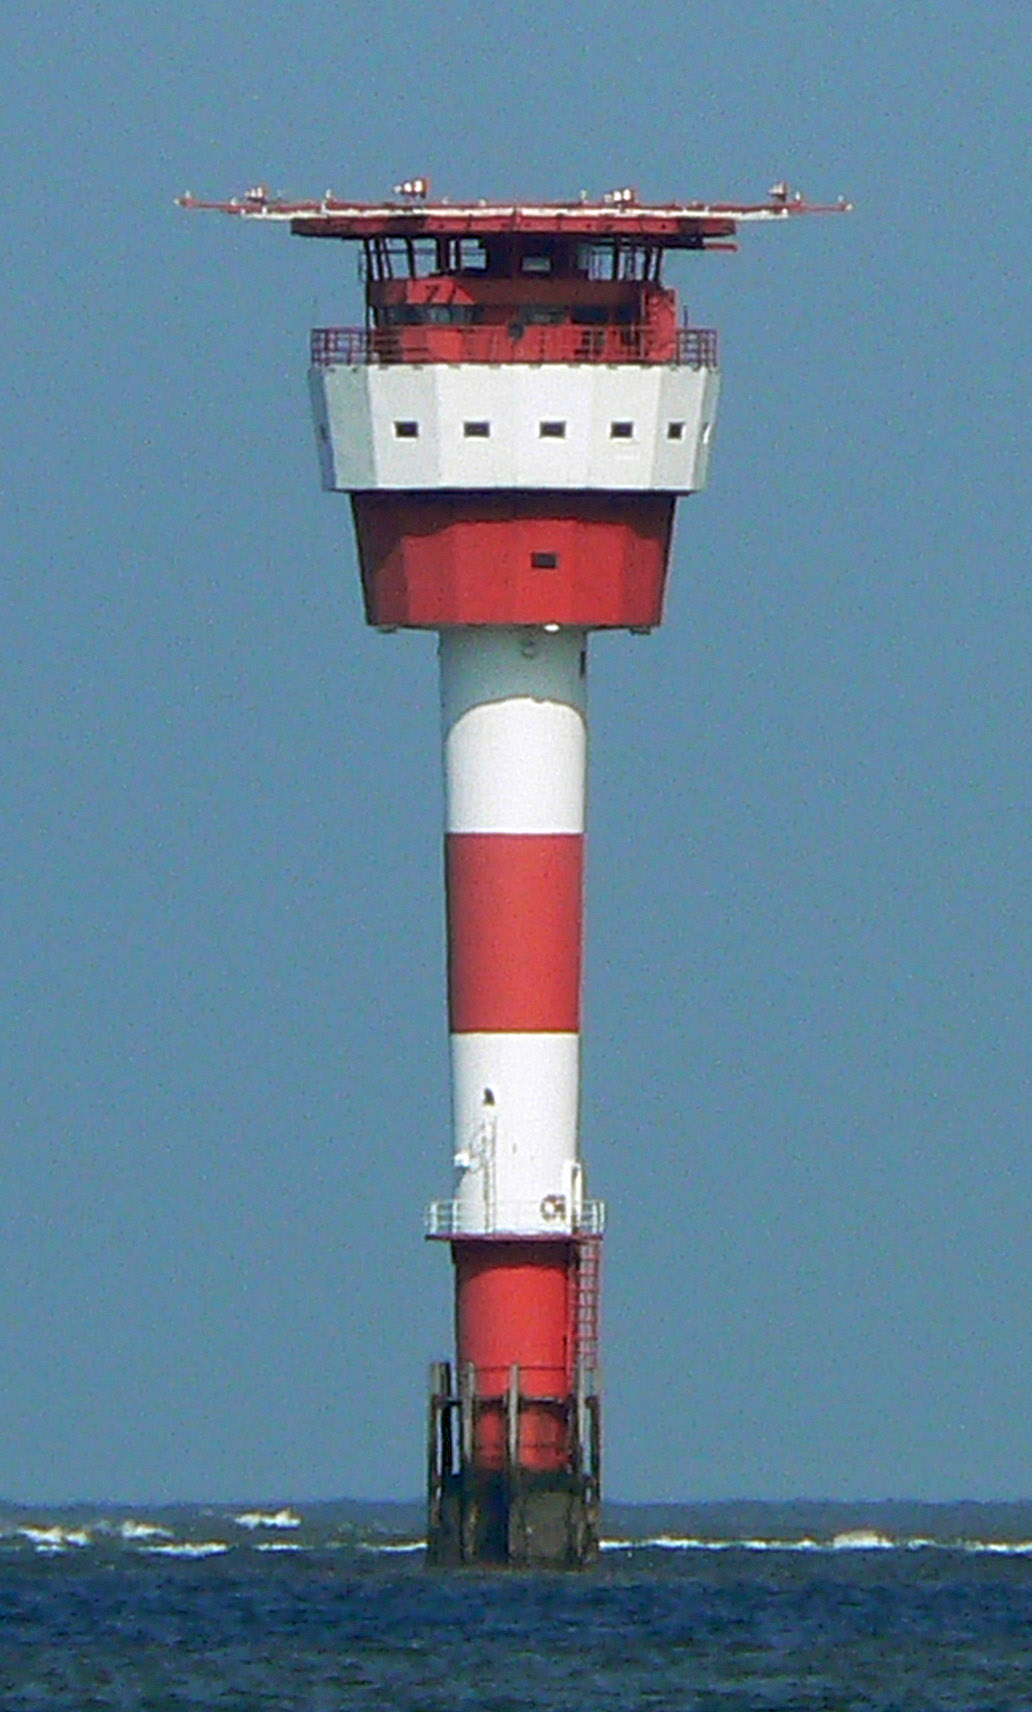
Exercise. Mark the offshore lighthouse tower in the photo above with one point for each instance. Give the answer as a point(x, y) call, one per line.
point(514, 423)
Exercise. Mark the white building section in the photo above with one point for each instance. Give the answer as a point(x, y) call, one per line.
point(515, 1109)
point(514, 728)
point(579, 426)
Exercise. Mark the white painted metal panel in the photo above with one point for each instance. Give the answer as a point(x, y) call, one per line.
point(401, 395)
point(340, 404)
point(708, 417)
point(688, 397)
point(515, 730)
point(627, 397)
point(477, 394)
point(553, 393)
point(515, 1110)
point(357, 412)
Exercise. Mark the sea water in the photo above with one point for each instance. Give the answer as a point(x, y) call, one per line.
point(720, 1608)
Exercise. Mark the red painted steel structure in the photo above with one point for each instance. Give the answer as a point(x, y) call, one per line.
point(513, 424)
point(514, 931)
point(594, 560)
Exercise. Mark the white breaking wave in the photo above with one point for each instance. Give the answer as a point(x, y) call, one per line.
point(131, 1530)
point(393, 1547)
point(189, 1548)
point(690, 1542)
point(863, 1539)
point(857, 1539)
point(1006, 1548)
point(662, 1542)
point(55, 1539)
point(267, 1519)
point(140, 1536)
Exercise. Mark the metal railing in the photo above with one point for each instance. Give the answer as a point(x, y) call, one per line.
point(687, 347)
point(517, 1218)
point(697, 347)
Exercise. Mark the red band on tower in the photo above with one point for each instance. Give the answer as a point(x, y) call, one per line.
point(514, 931)
point(514, 1305)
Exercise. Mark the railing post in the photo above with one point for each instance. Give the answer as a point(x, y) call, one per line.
point(512, 1418)
point(447, 1423)
point(434, 1460)
point(467, 1405)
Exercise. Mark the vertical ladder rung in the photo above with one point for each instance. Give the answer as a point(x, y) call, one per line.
point(588, 1261)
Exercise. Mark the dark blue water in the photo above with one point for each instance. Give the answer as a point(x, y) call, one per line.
point(319, 1610)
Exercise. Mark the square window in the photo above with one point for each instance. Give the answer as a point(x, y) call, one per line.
point(675, 430)
point(477, 430)
point(621, 430)
point(544, 561)
point(406, 430)
point(473, 255)
point(552, 430)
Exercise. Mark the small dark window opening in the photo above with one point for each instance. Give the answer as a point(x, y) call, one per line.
point(552, 430)
point(621, 430)
point(426, 314)
point(544, 561)
point(406, 430)
point(675, 431)
point(477, 430)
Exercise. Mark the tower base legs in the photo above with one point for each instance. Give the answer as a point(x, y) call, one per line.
point(532, 1518)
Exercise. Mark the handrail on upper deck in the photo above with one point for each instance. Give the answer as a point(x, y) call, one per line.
point(685, 347)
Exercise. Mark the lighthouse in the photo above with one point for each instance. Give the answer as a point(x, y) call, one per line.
point(514, 422)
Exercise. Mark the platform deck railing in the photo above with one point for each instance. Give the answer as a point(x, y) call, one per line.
point(534, 1218)
point(350, 347)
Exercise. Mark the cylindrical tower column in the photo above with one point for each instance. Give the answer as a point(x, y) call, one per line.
point(514, 708)
point(515, 754)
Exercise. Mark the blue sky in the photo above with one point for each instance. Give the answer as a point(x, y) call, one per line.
point(223, 1044)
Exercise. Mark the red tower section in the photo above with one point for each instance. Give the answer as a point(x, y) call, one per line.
point(514, 423)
